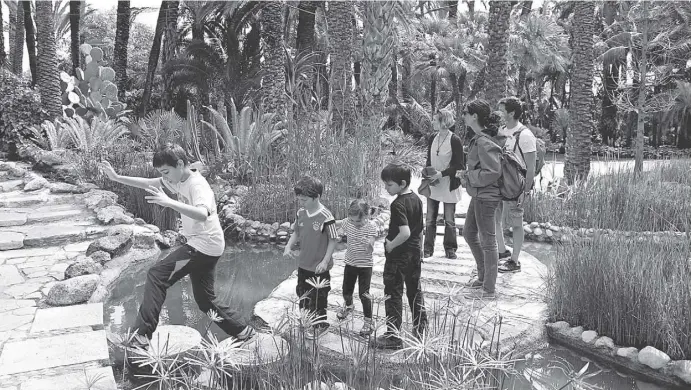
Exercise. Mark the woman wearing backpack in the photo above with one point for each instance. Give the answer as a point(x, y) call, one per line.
point(481, 182)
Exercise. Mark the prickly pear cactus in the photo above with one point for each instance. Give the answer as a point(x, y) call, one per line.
point(92, 89)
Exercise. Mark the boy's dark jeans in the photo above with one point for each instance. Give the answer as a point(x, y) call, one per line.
point(450, 242)
point(315, 300)
point(179, 263)
point(363, 275)
point(401, 268)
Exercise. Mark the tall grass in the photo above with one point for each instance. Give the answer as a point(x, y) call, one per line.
point(657, 200)
point(636, 291)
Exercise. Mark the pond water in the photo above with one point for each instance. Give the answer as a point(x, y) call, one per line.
point(246, 275)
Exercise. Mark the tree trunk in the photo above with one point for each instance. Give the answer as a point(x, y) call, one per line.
point(30, 39)
point(433, 85)
point(305, 30)
point(471, 8)
point(641, 106)
point(122, 38)
point(453, 10)
point(499, 13)
point(3, 58)
point(18, 44)
point(526, 6)
point(47, 68)
point(153, 57)
point(273, 82)
point(340, 29)
point(393, 91)
point(357, 65)
point(608, 118)
point(168, 51)
point(406, 88)
point(75, 20)
point(577, 162)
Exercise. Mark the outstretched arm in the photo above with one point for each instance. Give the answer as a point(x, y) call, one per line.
point(139, 182)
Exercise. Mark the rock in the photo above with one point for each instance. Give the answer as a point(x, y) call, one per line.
point(576, 331)
point(115, 245)
point(560, 325)
point(549, 233)
point(153, 228)
point(100, 257)
point(83, 266)
point(285, 225)
point(275, 226)
point(72, 291)
point(316, 386)
point(534, 225)
point(630, 353)
point(65, 188)
point(256, 225)
point(527, 229)
point(653, 358)
point(241, 190)
point(45, 160)
point(682, 370)
point(537, 232)
point(341, 386)
point(168, 239)
point(113, 215)
point(98, 199)
point(604, 342)
point(588, 336)
point(282, 234)
point(36, 184)
point(139, 222)
point(11, 240)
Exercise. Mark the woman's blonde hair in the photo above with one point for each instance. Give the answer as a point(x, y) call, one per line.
point(446, 118)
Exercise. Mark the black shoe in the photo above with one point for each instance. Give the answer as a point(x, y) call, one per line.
point(451, 254)
point(510, 267)
point(247, 334)
point(138, 341)
point(505, 255)
point(427, 254)
point(387, 341)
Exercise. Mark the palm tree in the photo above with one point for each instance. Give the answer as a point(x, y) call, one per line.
point(153, 56)
point(499, 13)
point(30, 38)
point(48, 76)
point(273, 68)
point(75, 20)
point(2, 41)
point(680, 114)
point(577, 164)
point(122, 37)
point(18, 44)
point(340, 28)
point(305, 30)
point(170, 44)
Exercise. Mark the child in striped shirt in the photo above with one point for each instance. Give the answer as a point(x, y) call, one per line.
point(361, 234)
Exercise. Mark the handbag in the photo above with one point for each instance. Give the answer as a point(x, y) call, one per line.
point(424, 188)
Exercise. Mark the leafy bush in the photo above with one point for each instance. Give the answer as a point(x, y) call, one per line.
point(619, 200)
point(634, 291)
point(20, 108)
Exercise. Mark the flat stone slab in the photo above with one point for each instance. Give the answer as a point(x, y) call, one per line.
point(11, 185)
point(169, 340)
point(52, 216)
point(54, 351)
point(9, 275)
point(100, 378)
point(12, 218)
point(67, 317)
point(11, 240)
point(263, 349)
point(7, 305)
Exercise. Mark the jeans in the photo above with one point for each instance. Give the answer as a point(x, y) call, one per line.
point(179, 263)
point(363, 275)
point(313, 299)
point(450, 243)
point(479, 233)
point(399, 269)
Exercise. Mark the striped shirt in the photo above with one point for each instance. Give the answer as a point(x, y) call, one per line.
point(359, 251)
point(314, 232)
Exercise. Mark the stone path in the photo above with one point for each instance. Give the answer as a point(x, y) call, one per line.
point(43, 229)
point(520, 301)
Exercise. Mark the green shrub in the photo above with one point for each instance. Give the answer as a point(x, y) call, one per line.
point(658, 200)
point(636, 291)
point(20, 109)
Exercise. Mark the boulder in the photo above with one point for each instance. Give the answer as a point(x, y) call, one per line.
point(83, 266)
point(65, 188)
point(153, 228)
point(653, 358)
point(139, 222)
point(630, 353)
point(589, 336)
point(100, 257)
point(113, 215)
point(72, 291)
point(537, 231)
point(98, 199)
point(682, 370)
point(36, 183)
point(167, 239)
point(604, 342)
point(115, 245)
point(576, 331)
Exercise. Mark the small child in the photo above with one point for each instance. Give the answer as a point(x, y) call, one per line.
point(197, 258)
point(315, 229)
point(361, 234)
point(403, 264)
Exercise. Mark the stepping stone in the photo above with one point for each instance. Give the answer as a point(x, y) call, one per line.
point(43, 217)
point(166, 342)
point(263, 349)
point(67, 317)
point(21, 200)
point(12, 219)
point(11, 240)
point(53, 235)
point(9, 275)
point(7, 305)
point(11, 185)
point(55, 351)
point(100, 378)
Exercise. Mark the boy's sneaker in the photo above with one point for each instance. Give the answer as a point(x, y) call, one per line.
point(247, 334)
point(451, 254)
point(480, 294)
point(427, 254)
point(138, 341)
point(510, 267)
point(505, 255)
point(367, 328)
point(473, 284)
point(345, 312)
point(387, 341)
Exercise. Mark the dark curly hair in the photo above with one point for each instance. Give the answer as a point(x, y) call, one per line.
point(485, 117)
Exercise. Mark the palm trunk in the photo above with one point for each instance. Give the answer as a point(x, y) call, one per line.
point(18, 44)
point(643, 70)
point(393, 91)
point(122, 38)
point(526, 6)
point(75, 20)
point(48, 75)
point(499, 13)
point(453, 10)
point(273, 82)
point(153, 57)
point(305, 29)
point(471, 8)
point(406, 88)
point(169, 50)
point(3, 58)
point(578, 143)
point(340, 28)
point(30, 39)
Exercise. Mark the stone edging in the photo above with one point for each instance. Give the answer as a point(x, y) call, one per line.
point(546, 232)
point(649, 363)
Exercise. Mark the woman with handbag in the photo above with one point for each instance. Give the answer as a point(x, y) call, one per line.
point(444, 158)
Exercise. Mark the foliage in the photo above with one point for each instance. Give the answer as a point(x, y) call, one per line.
point(158, 128)
point(52, 136)
point(632, 290)
point(657, 201)
point(20, 109)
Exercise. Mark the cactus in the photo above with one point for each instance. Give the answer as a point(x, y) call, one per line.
point(92, 89)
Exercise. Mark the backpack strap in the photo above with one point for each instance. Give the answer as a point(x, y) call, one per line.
point(517, 135)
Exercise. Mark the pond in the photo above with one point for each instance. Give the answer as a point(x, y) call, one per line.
point(246, 275)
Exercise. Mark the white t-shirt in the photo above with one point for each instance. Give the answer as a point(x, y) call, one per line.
point(527, 141)
point(205, 236)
